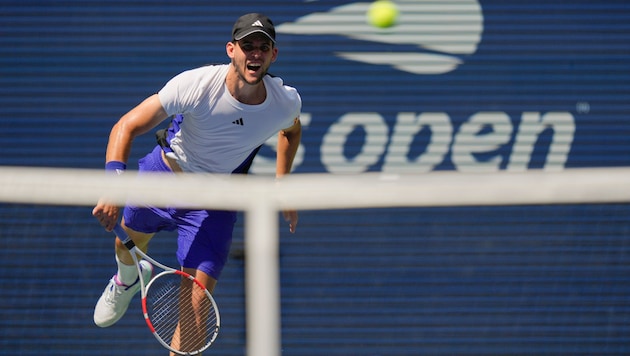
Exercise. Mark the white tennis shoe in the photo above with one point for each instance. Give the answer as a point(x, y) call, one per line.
point(114, 301)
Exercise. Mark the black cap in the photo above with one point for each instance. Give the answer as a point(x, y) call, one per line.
point(252, 23)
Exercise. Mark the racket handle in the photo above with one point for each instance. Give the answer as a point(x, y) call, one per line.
point(122, 235)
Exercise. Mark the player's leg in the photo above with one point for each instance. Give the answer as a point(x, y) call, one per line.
point(127, 272)
point(140, 223)
point(204, 239)
point(208, 281)
point(194, 337)
point(121, 288)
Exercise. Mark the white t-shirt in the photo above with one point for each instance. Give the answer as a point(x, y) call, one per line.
point(213, 132)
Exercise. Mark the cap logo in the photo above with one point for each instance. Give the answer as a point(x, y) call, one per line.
point(258, 23)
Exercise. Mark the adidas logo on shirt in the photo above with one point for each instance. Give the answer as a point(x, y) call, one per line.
point(238, 122)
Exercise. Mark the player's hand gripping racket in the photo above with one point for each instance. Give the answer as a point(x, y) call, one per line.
point(178, 309)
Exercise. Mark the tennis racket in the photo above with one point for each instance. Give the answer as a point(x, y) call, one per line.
point(178, 309)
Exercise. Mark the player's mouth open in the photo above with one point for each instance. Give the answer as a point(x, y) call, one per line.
point(254, 67)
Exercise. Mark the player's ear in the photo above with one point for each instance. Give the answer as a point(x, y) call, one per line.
point(275, 54)
point(229, 49)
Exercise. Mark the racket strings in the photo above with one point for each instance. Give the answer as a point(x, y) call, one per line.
point(181, 313)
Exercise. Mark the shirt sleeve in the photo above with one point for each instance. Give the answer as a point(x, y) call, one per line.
point(176, 93)
point(181, 93)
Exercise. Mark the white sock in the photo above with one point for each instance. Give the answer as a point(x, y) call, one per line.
point(127, 274)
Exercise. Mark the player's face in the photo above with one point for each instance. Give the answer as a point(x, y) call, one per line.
point(252, 56)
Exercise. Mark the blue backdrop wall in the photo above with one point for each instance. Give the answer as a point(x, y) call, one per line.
point(466, 85)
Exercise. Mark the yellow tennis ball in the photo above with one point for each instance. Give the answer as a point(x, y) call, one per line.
point(382, 14)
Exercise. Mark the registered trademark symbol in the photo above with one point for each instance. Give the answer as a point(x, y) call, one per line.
point(583, 107)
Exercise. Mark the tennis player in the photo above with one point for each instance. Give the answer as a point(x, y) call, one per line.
point(220, 117)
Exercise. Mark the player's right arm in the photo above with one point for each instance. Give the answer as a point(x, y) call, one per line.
point(139, 120)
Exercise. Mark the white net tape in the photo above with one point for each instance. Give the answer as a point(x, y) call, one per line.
point(317, 191)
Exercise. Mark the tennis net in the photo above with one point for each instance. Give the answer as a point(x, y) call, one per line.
point(446, 262)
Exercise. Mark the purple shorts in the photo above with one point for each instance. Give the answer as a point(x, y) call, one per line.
point(204, 236)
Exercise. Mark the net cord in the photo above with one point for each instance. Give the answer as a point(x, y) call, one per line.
point(316, 191)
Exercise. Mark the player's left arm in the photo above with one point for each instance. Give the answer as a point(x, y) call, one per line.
point(288, 143)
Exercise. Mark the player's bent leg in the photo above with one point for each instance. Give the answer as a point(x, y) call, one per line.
point(141, 240)
point(121, 288)
point(194, 337)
